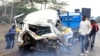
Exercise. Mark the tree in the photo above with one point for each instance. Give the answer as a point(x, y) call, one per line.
point(31, 1)
point(54, 1)
point(45, 1)
point(9, 10)
point(5, 11)
point(12, 9)
point(57, 5)
point(42, 2)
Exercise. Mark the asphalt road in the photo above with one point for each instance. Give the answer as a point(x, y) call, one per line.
point(96, 51)
point(75, 51)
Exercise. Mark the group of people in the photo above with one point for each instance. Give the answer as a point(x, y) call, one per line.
point(87, 31)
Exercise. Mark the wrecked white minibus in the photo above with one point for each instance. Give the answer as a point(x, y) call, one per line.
point(40, 29)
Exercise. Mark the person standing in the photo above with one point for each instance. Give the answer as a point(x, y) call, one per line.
point(92, 34)
point(84, 30)
point(10, 37)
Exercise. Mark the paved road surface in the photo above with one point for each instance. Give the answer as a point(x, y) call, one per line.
point(74, 52)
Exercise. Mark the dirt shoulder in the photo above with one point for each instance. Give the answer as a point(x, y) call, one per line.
point(3, 30)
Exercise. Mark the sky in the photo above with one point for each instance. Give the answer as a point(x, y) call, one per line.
point(78, 4)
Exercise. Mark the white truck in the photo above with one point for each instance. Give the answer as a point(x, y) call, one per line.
point(40, 28)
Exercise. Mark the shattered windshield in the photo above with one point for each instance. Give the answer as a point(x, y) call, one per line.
point(40, 30)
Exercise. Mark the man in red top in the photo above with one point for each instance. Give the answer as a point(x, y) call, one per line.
point(92, 34)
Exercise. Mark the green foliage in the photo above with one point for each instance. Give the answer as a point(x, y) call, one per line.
point(7, 20)
point(19, 7)
point(24, 10)
point(20, 10)
point(40, 1)
point(57, 5)
point(32, 10)
point(7, 17)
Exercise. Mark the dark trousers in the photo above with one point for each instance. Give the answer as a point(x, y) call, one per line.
point(10, 38)
point(92, 40)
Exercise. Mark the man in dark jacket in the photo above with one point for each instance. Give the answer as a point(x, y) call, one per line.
point(10, 37)
point(92, 34)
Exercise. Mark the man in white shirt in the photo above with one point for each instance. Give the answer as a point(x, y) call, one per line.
point(84, 30)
